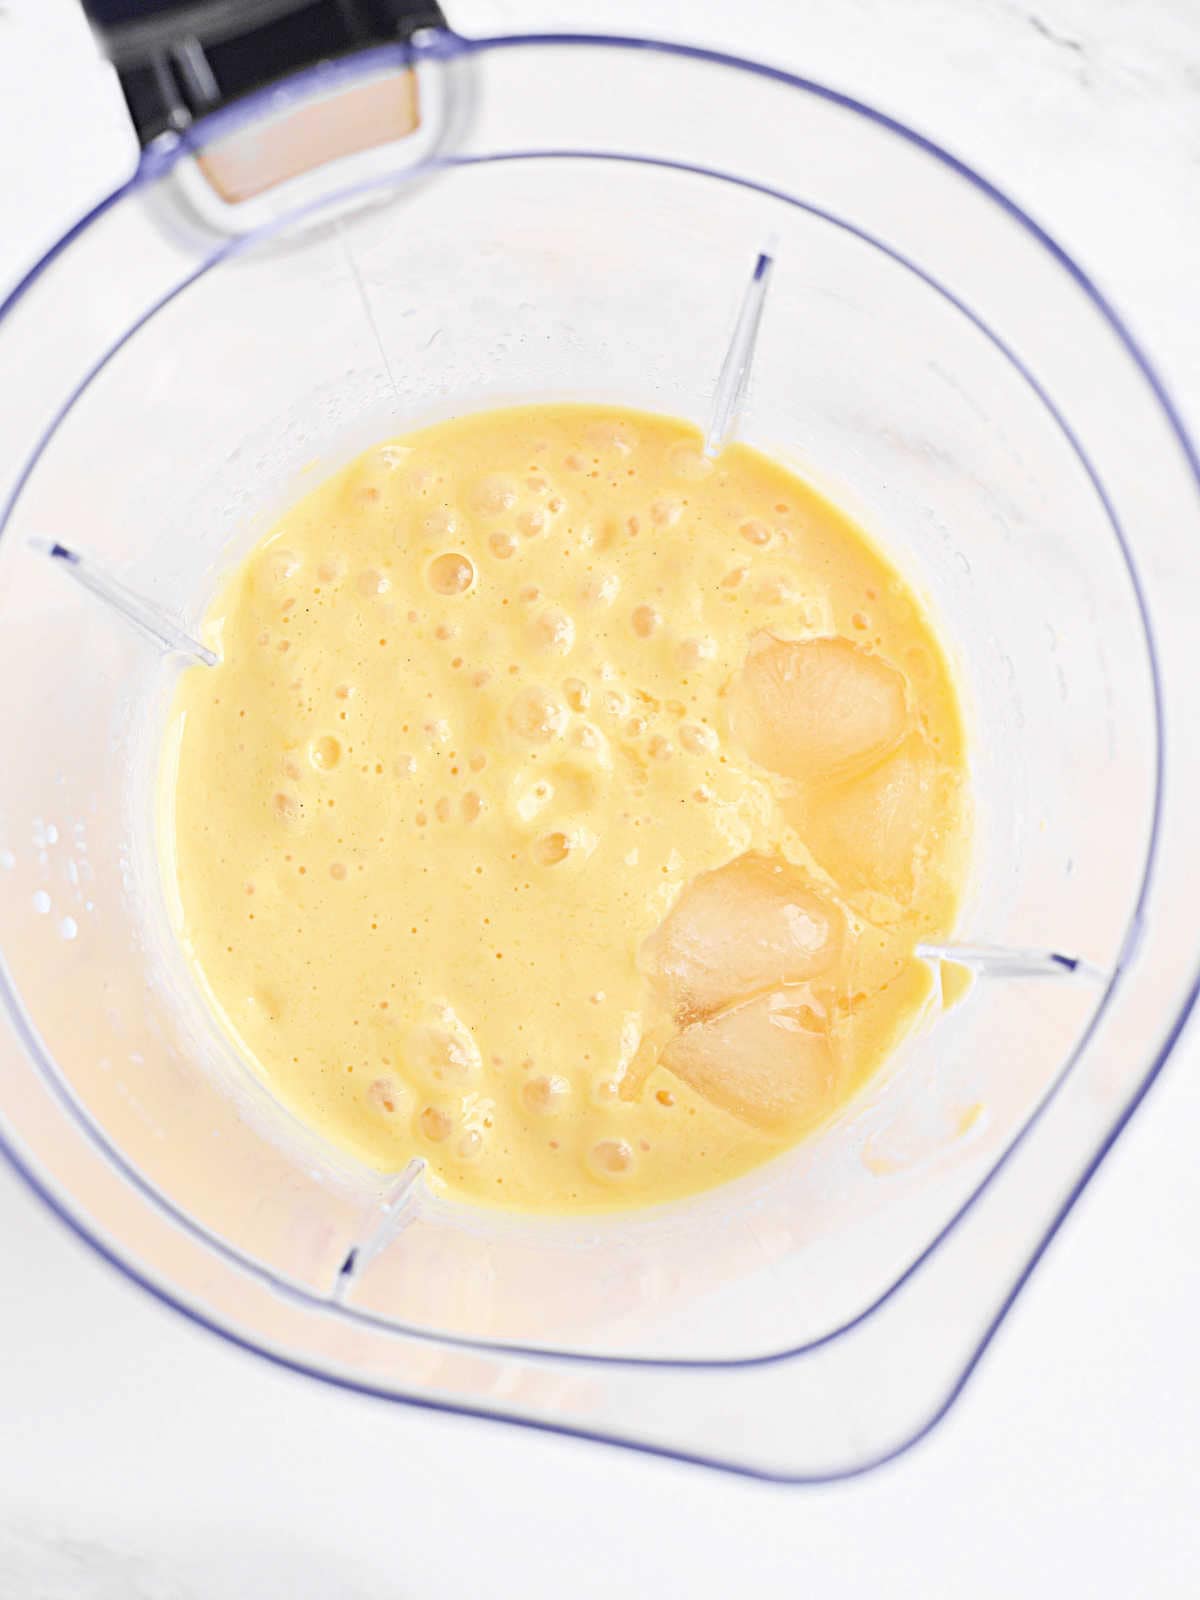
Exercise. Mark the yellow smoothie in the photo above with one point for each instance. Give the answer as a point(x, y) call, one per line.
point(565, 808)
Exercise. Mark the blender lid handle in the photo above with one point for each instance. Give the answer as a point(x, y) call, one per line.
point(180, 59)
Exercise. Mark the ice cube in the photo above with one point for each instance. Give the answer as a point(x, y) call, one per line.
point(872, 831)
point(813, 709)
point(752, 925)
point(768, 1062)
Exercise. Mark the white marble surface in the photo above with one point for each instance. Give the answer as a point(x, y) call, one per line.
point(143, 1459)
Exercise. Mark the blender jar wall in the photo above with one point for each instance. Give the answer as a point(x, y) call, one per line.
point(558, 274)
point(483, 284)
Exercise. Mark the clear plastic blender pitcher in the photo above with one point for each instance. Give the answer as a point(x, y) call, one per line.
point(415, 228)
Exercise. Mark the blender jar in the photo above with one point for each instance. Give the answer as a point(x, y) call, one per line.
point(524, 218)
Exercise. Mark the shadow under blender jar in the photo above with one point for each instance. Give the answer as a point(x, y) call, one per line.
point(390, 228)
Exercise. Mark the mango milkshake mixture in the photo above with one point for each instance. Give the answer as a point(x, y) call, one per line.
point(565, 808)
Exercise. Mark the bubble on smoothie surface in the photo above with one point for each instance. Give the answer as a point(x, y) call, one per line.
point(689, 462)
point(646, 621)
point(325, 753)
point(698, 738)
point(777, 590)
point(768, 1062)
point(578, 693)
point(282, 564)
point(286, 806)
point(693, 652)
point(611, 1158)
point(440, 521)
point(530, 792)
point(385, 1095)
point(614, 435)
point(470, 1146)
point(537, 715)
point(817, 708)
point(546, 1094)
point(665, 513)
point(551, 848)
point(494, 495)
point(436, 1124)
point(553, 629)
point(451, 573)
point(443, 1057)
point(600, 589)
point(751, 925)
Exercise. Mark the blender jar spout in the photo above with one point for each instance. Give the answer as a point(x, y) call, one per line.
point(277, 111)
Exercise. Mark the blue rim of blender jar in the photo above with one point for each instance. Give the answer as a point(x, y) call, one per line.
point(156, 161)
